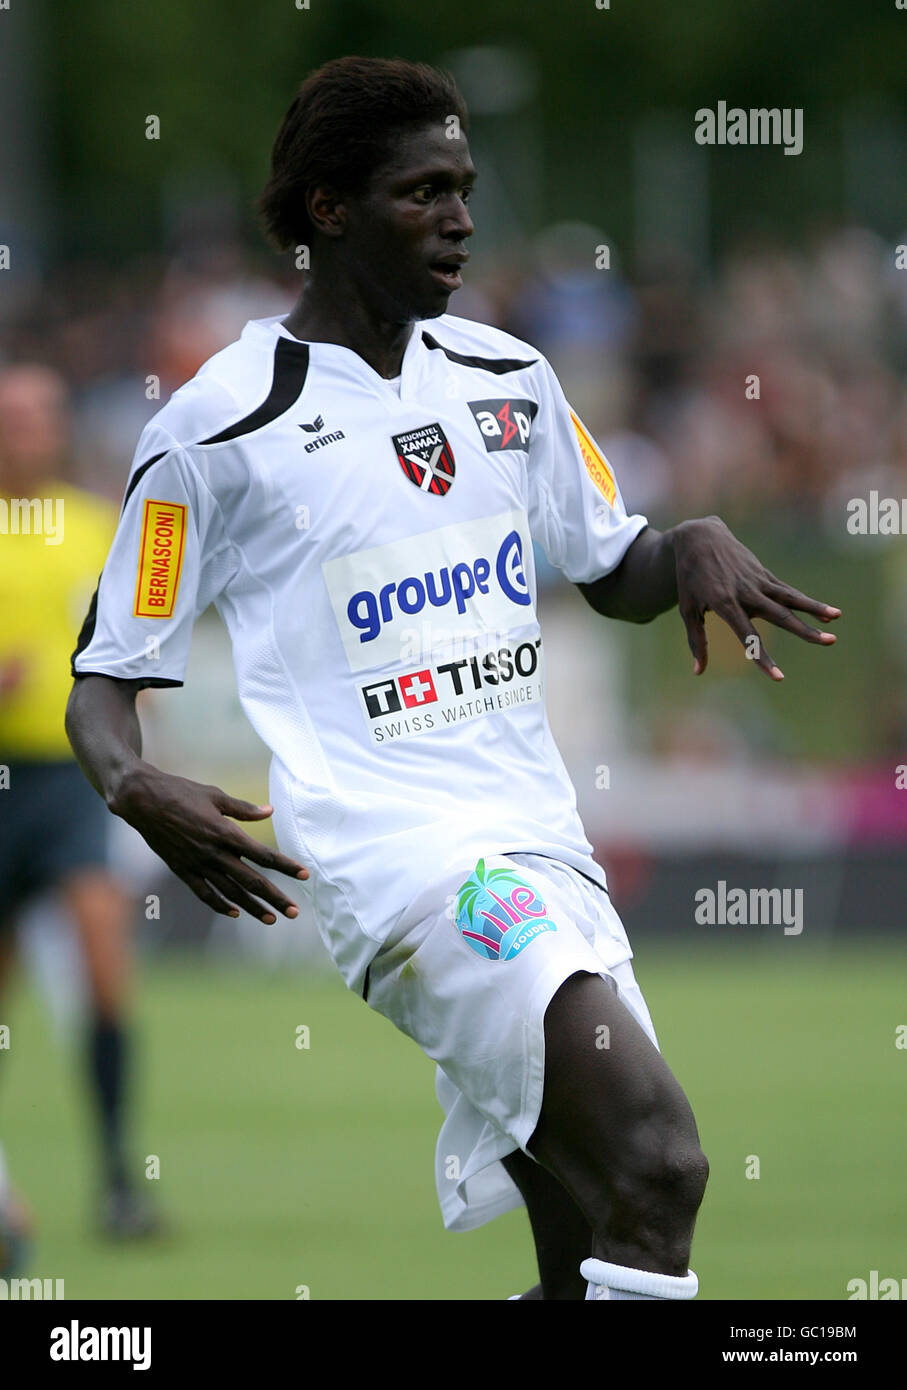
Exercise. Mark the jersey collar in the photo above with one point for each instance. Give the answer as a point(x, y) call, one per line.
point(327, 352)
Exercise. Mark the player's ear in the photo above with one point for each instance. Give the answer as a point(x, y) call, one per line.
point(326, 210)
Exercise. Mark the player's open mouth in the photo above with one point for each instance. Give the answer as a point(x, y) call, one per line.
point(448, 272)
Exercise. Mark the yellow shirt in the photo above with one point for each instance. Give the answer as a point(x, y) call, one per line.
point(50, 559)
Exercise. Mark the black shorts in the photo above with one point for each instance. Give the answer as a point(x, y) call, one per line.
point(52, 823)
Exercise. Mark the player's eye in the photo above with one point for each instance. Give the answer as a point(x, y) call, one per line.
point(427, 191)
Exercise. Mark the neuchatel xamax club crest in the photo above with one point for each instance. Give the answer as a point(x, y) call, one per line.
point(426, 458)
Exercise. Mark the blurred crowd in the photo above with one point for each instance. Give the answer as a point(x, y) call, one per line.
point(773, 385)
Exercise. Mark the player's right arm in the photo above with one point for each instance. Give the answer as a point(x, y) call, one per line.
point(187, 824)
point(169, 559)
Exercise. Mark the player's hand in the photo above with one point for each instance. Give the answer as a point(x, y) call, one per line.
point(715, 571)
point(188, 826)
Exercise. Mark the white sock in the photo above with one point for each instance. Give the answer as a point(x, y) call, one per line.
point(619, 1281)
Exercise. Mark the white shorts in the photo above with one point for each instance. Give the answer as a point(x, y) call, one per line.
point(469, 975)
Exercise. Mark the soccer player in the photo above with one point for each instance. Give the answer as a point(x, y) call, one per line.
point(357, 487)
point(53, 832)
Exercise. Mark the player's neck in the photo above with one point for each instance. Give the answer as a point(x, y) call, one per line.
point(323, 316)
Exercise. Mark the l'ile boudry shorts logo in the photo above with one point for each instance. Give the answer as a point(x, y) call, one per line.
point(499, 914)
point(160, 559)
point(596, 465)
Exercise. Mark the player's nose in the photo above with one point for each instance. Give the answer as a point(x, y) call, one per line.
point(456, 222)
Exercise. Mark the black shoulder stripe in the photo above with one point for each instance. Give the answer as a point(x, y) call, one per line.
point(498, 365)
point(291, 365)
point(138, 475)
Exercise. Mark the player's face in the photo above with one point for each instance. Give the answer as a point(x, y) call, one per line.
point(406, 233)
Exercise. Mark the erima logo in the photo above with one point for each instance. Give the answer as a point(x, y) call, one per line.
point(75, 1343)
point(318, 424)
point(504, 424)
point(368, 610)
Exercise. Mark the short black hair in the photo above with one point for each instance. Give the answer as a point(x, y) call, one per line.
point(339, 130)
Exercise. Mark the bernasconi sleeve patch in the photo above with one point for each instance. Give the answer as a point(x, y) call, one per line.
point(596, 465)
point(161, 547)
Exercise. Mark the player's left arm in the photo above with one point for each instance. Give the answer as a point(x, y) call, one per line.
point(701, 566)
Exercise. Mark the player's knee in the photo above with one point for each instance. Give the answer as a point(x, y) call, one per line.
point(663, 1176)
point(683, 1175)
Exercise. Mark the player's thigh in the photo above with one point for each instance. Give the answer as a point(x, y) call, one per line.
point(610, 1103)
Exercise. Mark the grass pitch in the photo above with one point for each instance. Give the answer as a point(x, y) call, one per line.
point(283, 1167)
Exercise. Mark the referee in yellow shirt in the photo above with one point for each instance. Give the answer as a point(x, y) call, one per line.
point(53, 827)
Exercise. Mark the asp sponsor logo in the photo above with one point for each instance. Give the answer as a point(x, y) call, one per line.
point(504, 424)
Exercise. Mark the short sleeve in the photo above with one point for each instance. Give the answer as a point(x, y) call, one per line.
point(163, 569)
point(576, 512)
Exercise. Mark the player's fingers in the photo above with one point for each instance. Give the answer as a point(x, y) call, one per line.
point(740, 624)
point(240, 810)
point(694, 622)
point(208, 895)
point(792, 598)
point(243, 844)
point(261, 887)
point(235, 891)
point(782, 617)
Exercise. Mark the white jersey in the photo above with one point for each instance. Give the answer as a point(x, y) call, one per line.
point(369, 547)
